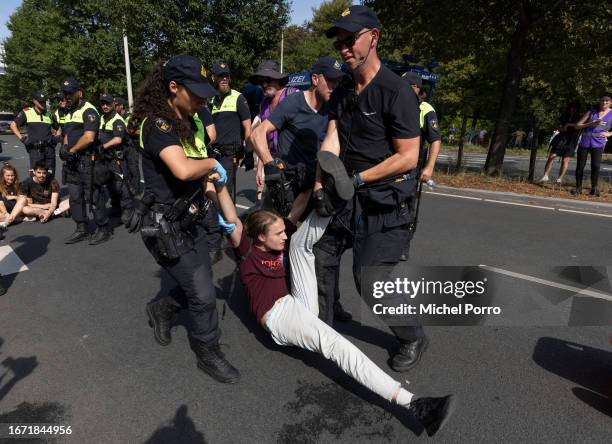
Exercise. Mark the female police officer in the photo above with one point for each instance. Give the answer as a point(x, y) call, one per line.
point(174, 163)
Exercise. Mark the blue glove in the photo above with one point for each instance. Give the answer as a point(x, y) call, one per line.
point(228, 228)
point(221, 171)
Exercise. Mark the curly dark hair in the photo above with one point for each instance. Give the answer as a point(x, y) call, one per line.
point(152, 103)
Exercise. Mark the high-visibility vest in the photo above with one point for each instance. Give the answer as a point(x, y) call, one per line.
point(228, 104)
point(108, 126)
point(61, 118)
point(424, 109)
point(33, 117)
point(198, 151)
point(77, 115)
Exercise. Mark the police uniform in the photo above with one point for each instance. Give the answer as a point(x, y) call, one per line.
point(78, 172)
point(228, 112)
point(112, 125)
point(376, 222)
point(131, 152)
point(184, 252)
point(39, 142)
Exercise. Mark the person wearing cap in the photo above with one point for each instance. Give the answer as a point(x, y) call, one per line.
point(232, 119)
point(111, 137)
point(61, 110)
point(430, 132)
point(301, 121)
point(374, 127)
point(40, 141)
point(78, 153)
point(273, 84)
point(175, 168)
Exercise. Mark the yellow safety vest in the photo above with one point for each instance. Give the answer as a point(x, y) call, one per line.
point(196, 152)
point(33, 117)
point(61, 119)
point(424, 108)
point(229, 103)
point(77, 115)
point(108, 126)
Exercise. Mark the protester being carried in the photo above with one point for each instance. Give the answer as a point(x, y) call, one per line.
point(42, 193)
point(12, 199)
point(291, 316)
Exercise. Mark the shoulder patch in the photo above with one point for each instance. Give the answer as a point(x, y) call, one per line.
point(163, 125)
point(434, 124)
point(92, 117)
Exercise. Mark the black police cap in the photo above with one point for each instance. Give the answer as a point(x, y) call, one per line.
point(39, 97)
point(329, 67)
point(412, 78)
point(70, 85)
point(354, 19)
point(121, 101)
point(189, 72)
point(107, 98)
point(220, 68)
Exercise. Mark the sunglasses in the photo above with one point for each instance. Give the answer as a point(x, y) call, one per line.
point(349, 42)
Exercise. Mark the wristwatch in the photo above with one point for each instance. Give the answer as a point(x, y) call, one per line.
point(358, 181)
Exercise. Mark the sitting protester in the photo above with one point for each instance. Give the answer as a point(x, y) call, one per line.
point(42, 193)
point(12, 199)
point(291, 317)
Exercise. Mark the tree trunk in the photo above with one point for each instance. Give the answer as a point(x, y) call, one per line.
point(514, 70)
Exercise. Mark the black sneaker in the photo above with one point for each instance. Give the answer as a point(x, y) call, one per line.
point(161, 316)
point(433, 413)
point(212, 361)
point(409, 355)
point(100, 236)
point(80, 234)
point(331, 165)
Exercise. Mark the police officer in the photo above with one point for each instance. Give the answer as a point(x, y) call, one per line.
point(174, 165)
point(430, 132)
point(79, 153)
point(374, 127)
point(40, 141)
point(111, 137)
point(62, 110)
point(232, 119)
point(131, 152)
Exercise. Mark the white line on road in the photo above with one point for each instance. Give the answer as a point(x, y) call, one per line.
point(518, 204)
point(10, 263)
point(454, 195)
point(582, 291)
point(585, 212)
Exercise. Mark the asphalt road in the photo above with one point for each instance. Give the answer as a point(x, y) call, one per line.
point(75, 347)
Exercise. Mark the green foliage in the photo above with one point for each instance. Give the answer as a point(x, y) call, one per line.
point(54, 39)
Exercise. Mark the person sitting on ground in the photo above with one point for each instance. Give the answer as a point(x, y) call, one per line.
point(291, 317)
point(12, 199)
point(42, 193)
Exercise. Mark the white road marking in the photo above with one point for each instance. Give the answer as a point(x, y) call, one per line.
point(581, 291)
point(244, 207)
point(518, 204)
point(10, 262)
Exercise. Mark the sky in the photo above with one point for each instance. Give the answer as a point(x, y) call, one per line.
point(301, 12)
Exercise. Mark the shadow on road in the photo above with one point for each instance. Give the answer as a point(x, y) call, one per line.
point(28, 248)
point(583, 365)
point(181, 429)
point(20, 368)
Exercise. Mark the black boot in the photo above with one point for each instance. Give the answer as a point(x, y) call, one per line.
point(335, 172)
point(433, 413)
point(101, 235)
point(161, 316)
point(340, 314)
point(212, 361)
point(408, 355)
point(79, 235)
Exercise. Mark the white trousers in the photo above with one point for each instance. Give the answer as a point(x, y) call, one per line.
point(294, 318)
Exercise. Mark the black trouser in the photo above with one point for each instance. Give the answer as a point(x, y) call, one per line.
point(581, 160)
point(195, 291)
point(377, 239)
point(226, 160)
point(77, 175)
point(214, 235)
point(118, 188)
point(45, 154)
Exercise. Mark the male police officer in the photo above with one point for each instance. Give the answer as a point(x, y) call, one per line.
point(131, 153)
point(430, 132)
point(111, 137)
point(374, 128)
point(79, 153)
point(232, 119)
point(62, 109)
point(40, 141)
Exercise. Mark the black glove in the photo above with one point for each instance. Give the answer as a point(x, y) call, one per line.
point(66, 155)
point(136, 219)
point(248, 161)
point(323, 204)
point(24, 140)
point(272, 170)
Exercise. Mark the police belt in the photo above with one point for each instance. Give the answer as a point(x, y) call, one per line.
point(410, 175)
point(225, 149)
